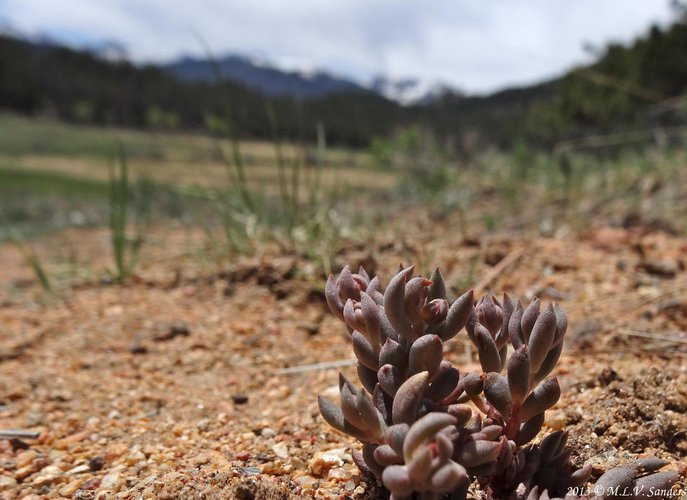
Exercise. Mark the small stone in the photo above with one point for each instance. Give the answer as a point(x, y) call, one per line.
point(555, 420)
point(79, 469)
point(268, 433)
point(336, 473)
point(239, 399)
point(70, 488)
point(323, 461)
point(307, 481)
point(48, 475)
point(96, 463)
point(112, 480)
point(281, 450)
point(203, 424)
point(135, 457)
point(7, 482)
point(242, 456)
point(24, 458)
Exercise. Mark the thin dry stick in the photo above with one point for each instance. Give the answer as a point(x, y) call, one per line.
point(18, 434)
point(327, 365)
point(653, 336)
point(495, 271)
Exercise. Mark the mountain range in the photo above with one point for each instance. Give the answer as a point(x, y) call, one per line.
point(274, 81)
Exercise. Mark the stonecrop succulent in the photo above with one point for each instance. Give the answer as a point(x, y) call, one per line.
point(429, 430)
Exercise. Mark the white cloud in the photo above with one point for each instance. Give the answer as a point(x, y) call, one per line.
point(473, 44)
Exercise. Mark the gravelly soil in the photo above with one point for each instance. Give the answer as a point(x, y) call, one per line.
point(170, 386)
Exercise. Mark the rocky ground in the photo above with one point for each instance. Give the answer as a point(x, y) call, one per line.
point(191, 383)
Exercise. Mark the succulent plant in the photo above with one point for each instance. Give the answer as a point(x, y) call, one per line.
point(414, 413)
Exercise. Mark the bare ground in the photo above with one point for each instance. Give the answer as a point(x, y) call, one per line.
point(172, 386)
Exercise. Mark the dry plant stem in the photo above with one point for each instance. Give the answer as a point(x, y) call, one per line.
point(18, 434)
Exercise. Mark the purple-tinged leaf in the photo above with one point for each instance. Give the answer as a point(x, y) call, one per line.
point(363, 274)
point(437, 290)
point(385, 455)
point(390, 379)
point(515, 334)
point(392, 353)
point(364, 352)
point(462, 413)
point(474, 453)
point(473, 383)
point(396, 480)
point(486, 349)
point(529, 317)
point(374, 291)
point(350, 409)
point(367, 377)
point(331, 293)
point(543, 397)
point(424, 430)
point(368, 457)
point(396, 435)
point(420, 465)
point(580, 477)
point(489, 314)
point(497, 393)
point(561, 325)
point(380, 401)
point(425, 355)
point(373, 324)
point(617, 477)
point(550, 445)
point(408, 398)
point(541, 337)
point(549, 363)
point(434, 312)
point(659, 483)
point(650, 464)
point(348, 288)
point(415, 296)
point(394, 304)
point(529, 430)
point(444, 446)
point(457, 315)
point(445, 381)
point(375, 424)
point(353, 316)
point(519, 374)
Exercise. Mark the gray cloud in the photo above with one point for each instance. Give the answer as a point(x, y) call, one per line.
point(472, 44)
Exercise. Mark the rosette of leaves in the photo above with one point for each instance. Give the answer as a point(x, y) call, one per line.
point(420, 435)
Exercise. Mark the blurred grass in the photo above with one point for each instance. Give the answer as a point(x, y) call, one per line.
point(182, 160)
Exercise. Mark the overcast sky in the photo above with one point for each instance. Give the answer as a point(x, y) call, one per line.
point(474, 45)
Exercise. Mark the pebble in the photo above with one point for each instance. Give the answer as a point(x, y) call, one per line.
point(307, 481)
point(555, 420)
point(70, 488)
point(322, 461)
point(112, 480)
point(203, 424)
point(281, 450)
point(7, 482)
point(48, 475)
point(268, 433)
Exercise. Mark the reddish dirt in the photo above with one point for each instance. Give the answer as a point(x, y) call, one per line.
point(170, 386)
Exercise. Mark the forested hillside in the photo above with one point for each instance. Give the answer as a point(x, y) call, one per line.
point(629, 87)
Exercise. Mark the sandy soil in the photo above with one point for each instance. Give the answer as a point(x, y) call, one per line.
point(176, 384)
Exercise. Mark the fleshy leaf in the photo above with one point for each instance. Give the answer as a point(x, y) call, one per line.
point(408, 398)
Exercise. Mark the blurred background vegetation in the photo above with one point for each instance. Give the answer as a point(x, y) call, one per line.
point(305, 175)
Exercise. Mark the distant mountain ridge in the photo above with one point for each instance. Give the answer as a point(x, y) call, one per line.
point(273, 81)
point(264, 77)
